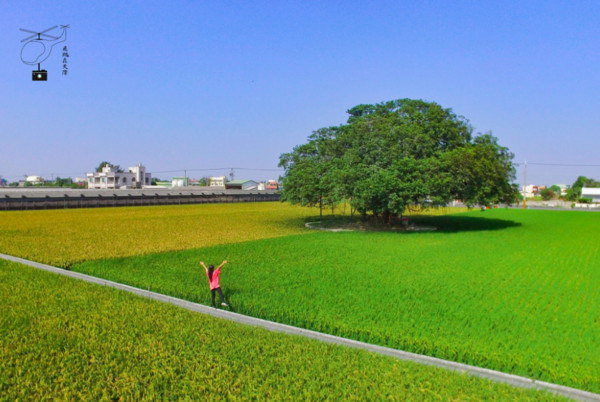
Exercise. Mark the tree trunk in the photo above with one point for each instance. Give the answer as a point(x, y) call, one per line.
point(321, 207)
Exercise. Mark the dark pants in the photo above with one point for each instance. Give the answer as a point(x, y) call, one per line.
point(213, 291)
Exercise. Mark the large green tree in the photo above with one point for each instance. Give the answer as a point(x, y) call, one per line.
point(394, 155)
point(309, 171)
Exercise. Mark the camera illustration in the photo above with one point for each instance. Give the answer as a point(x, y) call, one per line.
point(37, 48)
point(39, 75)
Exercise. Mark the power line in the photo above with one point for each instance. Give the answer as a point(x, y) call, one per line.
point(557, 164)
point(223, 168)
point(281, 170)
point(271, 170)
point(65, 174)
point(562, 164)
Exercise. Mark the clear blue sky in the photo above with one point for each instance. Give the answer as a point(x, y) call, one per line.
point(216, 84)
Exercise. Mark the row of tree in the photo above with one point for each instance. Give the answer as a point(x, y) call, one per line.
point(573, 192)
point(395, 155)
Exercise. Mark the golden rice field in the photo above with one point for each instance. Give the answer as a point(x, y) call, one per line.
point(64, 237)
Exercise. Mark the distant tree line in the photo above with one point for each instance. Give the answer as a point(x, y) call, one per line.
point(395, 155)
point(58, 182)
point(573, 192)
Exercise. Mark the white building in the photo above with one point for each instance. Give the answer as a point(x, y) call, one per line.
point(529, 191)
point(218, 181)
point(34, 180)
point(589, 192)
point(136, 177)
point(241, 185)
point(179, 182)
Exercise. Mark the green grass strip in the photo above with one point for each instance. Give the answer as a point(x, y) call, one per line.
point(61, 338)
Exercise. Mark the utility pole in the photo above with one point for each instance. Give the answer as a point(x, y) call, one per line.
point(525, 185)
point(231, 174)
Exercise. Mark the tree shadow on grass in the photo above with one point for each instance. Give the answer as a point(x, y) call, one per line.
point(417, 224)
point(458, 223)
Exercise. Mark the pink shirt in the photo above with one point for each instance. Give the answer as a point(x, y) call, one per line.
point(214, 283)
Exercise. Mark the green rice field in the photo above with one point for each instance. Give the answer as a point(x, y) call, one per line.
point(64, 339)
point(510, 290)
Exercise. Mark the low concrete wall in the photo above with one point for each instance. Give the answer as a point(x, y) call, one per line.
point(561, 204)
point(66, 198)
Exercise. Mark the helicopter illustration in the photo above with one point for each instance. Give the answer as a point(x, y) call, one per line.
point(37, 49)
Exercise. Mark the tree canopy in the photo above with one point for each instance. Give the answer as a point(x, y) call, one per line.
point(547, 194)
point(574, 193)
point(394, 155)
point(116, 168)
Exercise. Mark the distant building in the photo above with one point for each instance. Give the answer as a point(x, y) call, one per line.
point(272, 185)
point(241, 185)
point(81, 181)
point(529, 191)
point(179, 182)
point(563, 188)
point(108, 178)
point(217, 181)
point(33, 180)
point(589, 192)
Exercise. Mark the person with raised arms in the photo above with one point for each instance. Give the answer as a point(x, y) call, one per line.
point(213, 281)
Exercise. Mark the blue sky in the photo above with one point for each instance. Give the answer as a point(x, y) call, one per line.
point(201, 85)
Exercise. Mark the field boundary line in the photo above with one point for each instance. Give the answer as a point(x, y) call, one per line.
point(497, 376)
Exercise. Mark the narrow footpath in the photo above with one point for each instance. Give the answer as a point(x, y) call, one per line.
point(493, 375)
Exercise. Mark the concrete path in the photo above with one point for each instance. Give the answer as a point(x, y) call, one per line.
point(497, 376)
